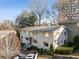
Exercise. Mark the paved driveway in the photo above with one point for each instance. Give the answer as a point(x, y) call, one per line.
point(44, 57)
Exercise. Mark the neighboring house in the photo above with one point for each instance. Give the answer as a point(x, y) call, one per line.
point(9, 44)
point(44, 36)
point(7, 32)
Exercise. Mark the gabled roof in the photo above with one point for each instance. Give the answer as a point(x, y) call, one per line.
point(42, 28)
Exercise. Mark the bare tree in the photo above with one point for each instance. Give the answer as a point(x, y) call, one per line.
point(69, 15)
point(65, 8)
point(39, 7)
point(9, 46)
point(7, 25)
point(53, 14)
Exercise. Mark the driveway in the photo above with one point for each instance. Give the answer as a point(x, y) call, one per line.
point(44, 57)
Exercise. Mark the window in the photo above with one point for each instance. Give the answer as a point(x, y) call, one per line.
point(34, 33)
point(64, 41)
point(26, 38)
point(46, 34)
point(46, 44)
point(34, 41)
point(64, 33)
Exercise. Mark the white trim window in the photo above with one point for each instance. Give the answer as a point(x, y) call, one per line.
point(65, 33)
point(46, 44)
point(46, 34)
point(35, 41)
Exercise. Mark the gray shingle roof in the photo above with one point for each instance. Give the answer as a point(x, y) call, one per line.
point(41, 28)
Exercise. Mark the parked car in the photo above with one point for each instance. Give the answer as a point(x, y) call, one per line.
point(17, 57)
point(22, 56)
point(32, 56)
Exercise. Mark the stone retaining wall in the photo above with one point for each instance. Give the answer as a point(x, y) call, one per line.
point(65, 57)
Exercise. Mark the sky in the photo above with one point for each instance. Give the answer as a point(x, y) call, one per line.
point(10, 9)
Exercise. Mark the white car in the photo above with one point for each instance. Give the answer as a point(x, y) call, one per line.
point(16, 57)
point(32, 56)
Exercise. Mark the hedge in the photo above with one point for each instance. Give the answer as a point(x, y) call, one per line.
point(69, 44)
point(63, 50)
point(76, 40)
point(42, 51)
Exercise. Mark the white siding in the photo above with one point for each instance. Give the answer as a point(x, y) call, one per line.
point(58, 40)
point(24, 34)
point(41, 39)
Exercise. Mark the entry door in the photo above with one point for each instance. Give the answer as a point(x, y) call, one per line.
point(30, 40)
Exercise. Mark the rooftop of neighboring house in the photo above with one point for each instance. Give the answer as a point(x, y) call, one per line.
point(4, 32)
point(42, 28)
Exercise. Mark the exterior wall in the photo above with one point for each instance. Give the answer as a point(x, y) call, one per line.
point(41, 39)
point(59, 37)
point(23, 35)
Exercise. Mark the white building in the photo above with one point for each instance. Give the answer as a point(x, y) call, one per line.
point(44, 36)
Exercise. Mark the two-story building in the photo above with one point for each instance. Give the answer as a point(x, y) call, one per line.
point(44, 36)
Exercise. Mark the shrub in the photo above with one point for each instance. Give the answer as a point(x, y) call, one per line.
point(76, 40)
point(51, 48)
point(69, 44)
point(42, 51)
point(34, 48)
point(63, 50)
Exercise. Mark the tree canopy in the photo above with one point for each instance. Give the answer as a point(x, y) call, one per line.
point(26, 19)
